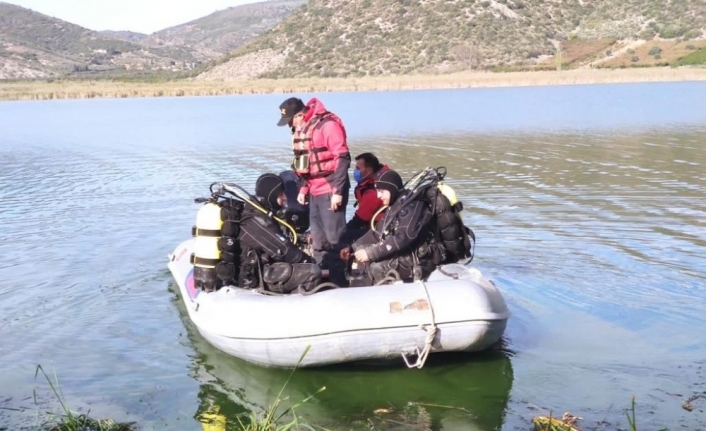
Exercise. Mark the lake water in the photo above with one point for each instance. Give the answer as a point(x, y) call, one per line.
point(588, 202)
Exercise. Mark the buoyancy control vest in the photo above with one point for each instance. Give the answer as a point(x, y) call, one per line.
point(450, 229)
point(312, 160)
point(216, 256)
point(448, 226)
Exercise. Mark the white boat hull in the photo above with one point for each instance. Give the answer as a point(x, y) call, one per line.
point(343, 325)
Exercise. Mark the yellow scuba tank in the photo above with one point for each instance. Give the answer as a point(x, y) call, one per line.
point(449, 193)
point(455, 235)
point(207, 254)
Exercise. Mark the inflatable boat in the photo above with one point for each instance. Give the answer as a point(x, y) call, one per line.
point(455, 309)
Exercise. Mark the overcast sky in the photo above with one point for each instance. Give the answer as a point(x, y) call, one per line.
point(144, 16)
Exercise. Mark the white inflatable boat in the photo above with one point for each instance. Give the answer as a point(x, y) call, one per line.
point(455, 309)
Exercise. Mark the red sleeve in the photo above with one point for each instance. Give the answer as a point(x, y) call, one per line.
point(368, 205)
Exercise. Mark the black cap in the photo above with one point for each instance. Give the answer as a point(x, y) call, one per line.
point(268, 187)
point(390, 181)
point(288, 109)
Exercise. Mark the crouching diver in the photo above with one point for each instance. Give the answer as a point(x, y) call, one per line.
point(240, 242)
point(266, 251)
point(402, 242)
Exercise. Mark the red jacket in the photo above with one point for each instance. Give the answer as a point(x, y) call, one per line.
point(367, 202)
point(367, 198)
point(332, 135)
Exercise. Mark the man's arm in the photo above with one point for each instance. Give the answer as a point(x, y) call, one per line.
point(335, 141)
point(411, 221)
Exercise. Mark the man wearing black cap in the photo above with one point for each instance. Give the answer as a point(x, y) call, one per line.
point(288, 109)
point(321, 161)
point(265, 250)
point(400, 239)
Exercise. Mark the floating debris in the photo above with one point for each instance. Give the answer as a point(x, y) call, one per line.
point(384, 411)
point(548, 423)
point(686, 405)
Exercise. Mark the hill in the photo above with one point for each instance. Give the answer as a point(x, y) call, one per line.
point(130, 36)
point(338, 38)
point(225, 30)
point(34, 45)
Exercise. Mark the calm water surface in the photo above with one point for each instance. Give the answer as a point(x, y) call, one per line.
point(587, 202)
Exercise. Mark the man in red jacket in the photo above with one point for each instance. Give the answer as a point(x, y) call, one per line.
point(367, 170)
point(321, 160)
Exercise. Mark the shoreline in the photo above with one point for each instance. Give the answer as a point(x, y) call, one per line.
point(91, 89)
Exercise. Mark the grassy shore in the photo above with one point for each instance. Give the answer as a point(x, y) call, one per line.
point(80, 89)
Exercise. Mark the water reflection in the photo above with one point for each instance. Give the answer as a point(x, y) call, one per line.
point(594, 230)
point(452, 391)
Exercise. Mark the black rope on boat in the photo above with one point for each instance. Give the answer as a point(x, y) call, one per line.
point(391, 276)
point(269, 292)
point(316, 288)
point(453, 275)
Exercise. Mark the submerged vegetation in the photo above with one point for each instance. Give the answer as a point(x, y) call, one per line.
point(277, 417)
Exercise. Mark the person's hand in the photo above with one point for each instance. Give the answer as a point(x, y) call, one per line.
point(336, 201)
point(301, 198)
point(362, 256)
point(345, 253)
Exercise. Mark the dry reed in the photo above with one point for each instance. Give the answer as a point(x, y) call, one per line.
point(67, 89)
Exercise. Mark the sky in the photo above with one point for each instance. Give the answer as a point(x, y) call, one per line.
point(143, 16)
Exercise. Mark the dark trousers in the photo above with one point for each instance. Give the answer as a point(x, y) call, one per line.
point(327, 229)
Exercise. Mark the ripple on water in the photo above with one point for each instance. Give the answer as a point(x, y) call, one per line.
point(595, 238)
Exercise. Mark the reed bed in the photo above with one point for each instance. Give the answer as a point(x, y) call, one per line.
point(83, 89)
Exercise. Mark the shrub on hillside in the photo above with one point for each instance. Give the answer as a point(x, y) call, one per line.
point(655, 50)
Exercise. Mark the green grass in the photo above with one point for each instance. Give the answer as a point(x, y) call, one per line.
point(271, 420)
point(71, 421)
point(276, 417)
point(696, 58)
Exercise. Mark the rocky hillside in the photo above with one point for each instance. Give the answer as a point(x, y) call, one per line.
point(33, 45)
point(130, 36)
point(377, 37)
point(225, 30)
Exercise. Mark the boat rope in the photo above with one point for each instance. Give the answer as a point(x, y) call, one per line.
point(431, 331)
point(300, 289)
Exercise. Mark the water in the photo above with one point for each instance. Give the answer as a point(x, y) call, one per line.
point(587, 202)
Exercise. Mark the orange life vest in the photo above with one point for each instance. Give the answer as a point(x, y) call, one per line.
point(312, 159)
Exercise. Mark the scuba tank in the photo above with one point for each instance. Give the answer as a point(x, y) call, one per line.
point(455, 236)
point(429, 186)
point(217, 253)
point(450, 194)
point(207, 254)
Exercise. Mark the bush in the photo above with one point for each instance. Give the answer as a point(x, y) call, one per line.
point(634, 59)
point(655, 50)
